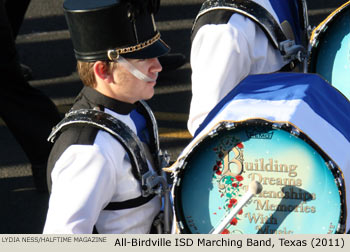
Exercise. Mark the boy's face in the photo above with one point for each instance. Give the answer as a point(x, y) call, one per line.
point(130, 89)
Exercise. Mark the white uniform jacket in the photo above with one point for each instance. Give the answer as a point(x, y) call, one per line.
point(92, 169)
point(224, 54)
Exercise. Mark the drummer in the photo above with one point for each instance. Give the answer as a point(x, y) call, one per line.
point(227, 47)
point(117, 47)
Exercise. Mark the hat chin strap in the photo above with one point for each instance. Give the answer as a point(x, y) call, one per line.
point(134, 71)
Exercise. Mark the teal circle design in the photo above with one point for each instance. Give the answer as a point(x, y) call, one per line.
point(300, 193)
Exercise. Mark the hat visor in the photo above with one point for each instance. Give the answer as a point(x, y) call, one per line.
point(155, 50)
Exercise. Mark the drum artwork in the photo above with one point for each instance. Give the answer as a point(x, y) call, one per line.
point(303, 187)
point(330, 49)
point(300, 184)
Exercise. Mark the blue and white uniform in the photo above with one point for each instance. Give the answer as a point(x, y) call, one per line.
point(223, 54)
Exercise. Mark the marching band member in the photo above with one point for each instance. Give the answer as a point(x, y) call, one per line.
point(95, 185)
point(230, 42)
point(243, 42)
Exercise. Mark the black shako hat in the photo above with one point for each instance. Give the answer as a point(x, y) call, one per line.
point(105, 29)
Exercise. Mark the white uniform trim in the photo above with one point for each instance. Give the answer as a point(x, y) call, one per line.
point(88, 177)
point(223, 55)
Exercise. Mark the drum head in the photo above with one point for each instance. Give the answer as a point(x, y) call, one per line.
point(330, 51)
point(302, 189)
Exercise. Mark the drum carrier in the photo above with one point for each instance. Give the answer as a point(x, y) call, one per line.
point(152, 183)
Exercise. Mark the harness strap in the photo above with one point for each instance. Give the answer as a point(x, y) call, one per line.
point(120, 131)
point(152, 184)
point(288, 48)
point(127, 204)
point(131, 203)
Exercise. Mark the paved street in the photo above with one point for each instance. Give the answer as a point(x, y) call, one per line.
point(44, 45)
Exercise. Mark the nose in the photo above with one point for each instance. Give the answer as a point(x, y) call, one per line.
point(156, 66)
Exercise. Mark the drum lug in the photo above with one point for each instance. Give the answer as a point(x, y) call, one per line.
point(277, 126)
point(340, 182)
point(178, 182)
point(230, 125)
point(180, 165)
point(295, 132)
point(180, 225)
point(215, 131)
point(330, 164)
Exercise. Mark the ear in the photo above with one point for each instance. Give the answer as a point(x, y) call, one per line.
point(101, 71)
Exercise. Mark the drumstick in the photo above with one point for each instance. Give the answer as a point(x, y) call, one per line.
point(254, 188)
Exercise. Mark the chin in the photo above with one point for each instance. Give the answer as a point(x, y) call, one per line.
point(149, 96)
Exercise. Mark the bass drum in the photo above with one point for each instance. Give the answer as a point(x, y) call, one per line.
point(330, 49)
point(303, 190)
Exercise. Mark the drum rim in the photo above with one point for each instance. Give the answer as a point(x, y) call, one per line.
point(319, 32)
point(285, 126)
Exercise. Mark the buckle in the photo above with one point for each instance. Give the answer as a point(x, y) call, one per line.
point(291, 51)
point(150, 184)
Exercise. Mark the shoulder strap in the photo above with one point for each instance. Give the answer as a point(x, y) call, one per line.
point(161, 158)
point(120, 131)
point(288, 48)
